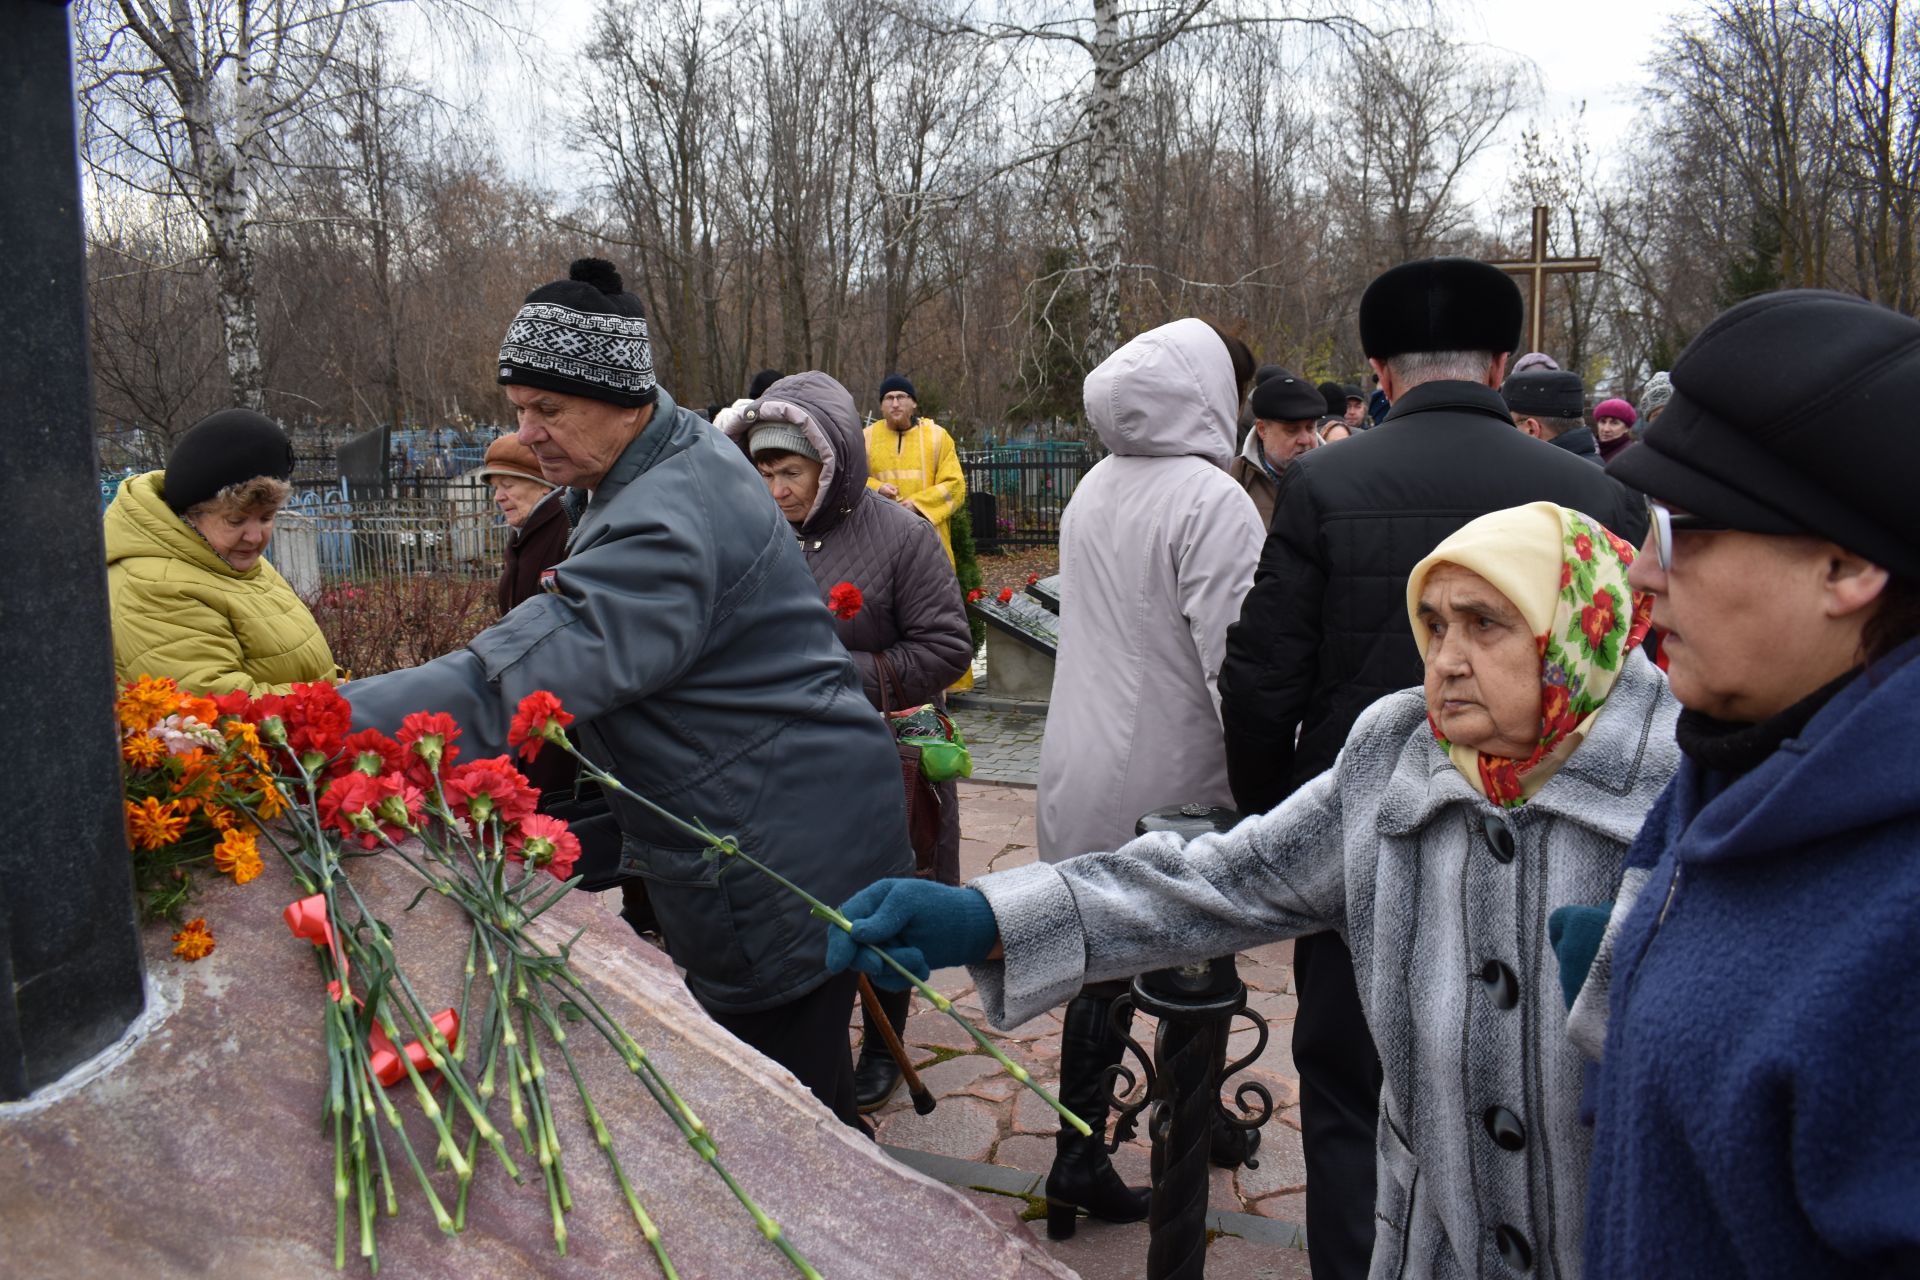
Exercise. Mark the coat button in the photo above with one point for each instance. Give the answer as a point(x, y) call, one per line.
point(1502, 987)
point(1505, 1128)
point(1500, 836)
point(1514, 1249)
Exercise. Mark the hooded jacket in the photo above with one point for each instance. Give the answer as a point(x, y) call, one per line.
point(1755, 1117)
point(911, 609)
point(1481, 1153)
point(181, 611)
point(1157, 547)
point(686, 637)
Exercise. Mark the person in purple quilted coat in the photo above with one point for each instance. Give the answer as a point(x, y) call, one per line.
point(881, 568)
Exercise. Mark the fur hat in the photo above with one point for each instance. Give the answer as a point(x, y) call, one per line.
point(232, 446)
point(506, 456)
point(1788, 417)
point(1440, 304)
point(585, 336)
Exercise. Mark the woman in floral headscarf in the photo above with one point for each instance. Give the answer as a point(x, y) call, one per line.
point(1457, 818)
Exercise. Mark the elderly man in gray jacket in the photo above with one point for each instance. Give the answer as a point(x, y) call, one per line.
point(688, 639)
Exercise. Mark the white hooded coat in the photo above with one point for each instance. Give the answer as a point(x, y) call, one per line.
point(1157, 548)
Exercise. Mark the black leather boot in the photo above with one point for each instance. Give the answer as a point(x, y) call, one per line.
point(876, 1075)
point(1082, 1178)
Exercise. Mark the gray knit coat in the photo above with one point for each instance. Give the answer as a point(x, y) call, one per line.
point(1390, 847)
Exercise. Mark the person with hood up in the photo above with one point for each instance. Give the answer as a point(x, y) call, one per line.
point(1285, 413)
point(685, 635)
point(1458, 816)
point(1157, 548)
point(1757, 1104)
point(907, 626)
point(194, 598)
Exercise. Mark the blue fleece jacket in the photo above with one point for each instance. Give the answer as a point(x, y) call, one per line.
point(1759, 1098)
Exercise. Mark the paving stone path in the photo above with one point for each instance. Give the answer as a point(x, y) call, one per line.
point(996, 1138)
point(1005, 746)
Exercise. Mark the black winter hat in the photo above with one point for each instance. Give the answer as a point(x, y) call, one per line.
point(1545, 393)
point(1790, 416)
point(1285, 398)
point(232, 446)
point(1440, 304)
point(585, 335)
point(1266, 371)
point(1336, 397)
point(897, 382)
point(761, 381)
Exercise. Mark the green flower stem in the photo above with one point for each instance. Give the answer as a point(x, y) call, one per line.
point(729, 847)
point(604, 1139)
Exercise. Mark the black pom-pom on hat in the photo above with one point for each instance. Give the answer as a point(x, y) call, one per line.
point(599, 273)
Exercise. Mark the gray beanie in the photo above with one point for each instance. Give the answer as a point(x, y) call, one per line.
point(1659, 391)
point(783, 436)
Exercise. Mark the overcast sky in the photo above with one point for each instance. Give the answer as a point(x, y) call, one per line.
point(1595, 53)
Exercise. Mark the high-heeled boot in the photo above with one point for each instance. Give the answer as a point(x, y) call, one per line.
point(1083, 1178)
point(876, 1075)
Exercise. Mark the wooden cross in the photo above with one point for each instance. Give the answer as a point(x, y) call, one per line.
point(1539, 266)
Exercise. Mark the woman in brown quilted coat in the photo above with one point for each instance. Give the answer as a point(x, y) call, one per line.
point(908, 635)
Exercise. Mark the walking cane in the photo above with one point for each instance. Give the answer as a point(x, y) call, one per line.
point(922, 1100)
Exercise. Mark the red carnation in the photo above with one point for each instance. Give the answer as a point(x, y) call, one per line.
point(1033, 579)
point(845, 600)
point(1005, 596)
point(540, 719)
point(1597, 619)
point(428, 738)
point(238, 704)
point(976, 594)
point(484, 789)
point(318, 719)
point(547, 843)
point(352, 805)
point(370, 752)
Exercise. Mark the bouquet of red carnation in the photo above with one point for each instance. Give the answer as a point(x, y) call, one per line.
point(845, 600)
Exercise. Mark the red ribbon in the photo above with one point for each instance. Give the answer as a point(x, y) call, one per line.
point(385, 1059)
point(307, 919)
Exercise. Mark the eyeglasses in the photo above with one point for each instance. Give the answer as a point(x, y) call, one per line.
point(1664, 520)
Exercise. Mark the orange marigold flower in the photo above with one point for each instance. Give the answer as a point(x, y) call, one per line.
point(247, 740)
point(146, 702)
point(194, 942)
point(143, 752)
point(153, 824)
point(272, 802)
point(205, 710)
point(238, 855)
point(222, 818)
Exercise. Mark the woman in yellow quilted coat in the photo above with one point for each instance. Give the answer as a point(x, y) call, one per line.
point(193, 595)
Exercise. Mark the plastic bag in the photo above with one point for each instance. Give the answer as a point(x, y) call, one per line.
point(943, 752)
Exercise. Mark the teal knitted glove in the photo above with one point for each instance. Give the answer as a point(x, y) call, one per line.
point(1574, 933)
point(923, 925)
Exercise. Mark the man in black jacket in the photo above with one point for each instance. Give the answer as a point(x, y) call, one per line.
point(1551, 405)
point(1323, 634)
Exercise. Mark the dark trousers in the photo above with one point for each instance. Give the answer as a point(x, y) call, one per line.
point(1339, 1107)
point(808, 1037)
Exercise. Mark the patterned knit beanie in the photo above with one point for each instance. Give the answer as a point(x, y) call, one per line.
point(584, 335)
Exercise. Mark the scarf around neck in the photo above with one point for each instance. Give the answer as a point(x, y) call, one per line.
point(1566, 574)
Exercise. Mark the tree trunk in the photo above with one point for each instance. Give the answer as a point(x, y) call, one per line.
point(1104, 230)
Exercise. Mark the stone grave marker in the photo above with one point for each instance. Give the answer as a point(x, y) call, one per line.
point(1023, 638)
